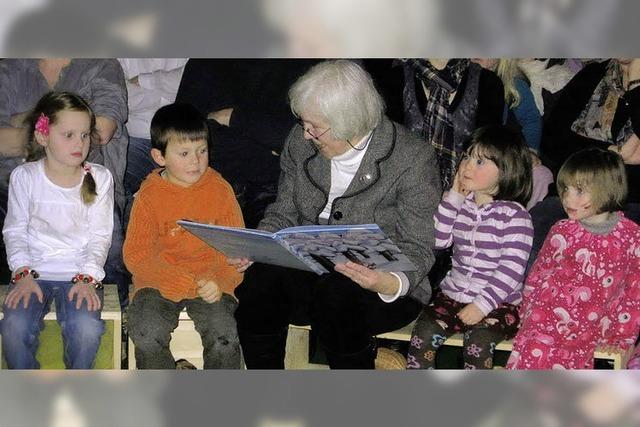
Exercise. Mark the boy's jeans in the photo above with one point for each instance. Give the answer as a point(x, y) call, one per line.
point(81, 329)
point(152, 318)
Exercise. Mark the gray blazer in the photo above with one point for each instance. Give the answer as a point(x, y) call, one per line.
point(397, 187)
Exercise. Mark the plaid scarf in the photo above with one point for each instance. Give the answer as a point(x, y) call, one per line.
point(596, 118)
point(435, 124)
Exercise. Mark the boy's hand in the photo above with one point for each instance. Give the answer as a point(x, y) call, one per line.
point(22, 291)
point(240, 264)
point(85, 291)
point(471, 314)
point(209, 291)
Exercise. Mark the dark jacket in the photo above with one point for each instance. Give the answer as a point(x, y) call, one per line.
point(559, 141)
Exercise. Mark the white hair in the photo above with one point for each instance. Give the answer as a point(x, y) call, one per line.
point(341, 92)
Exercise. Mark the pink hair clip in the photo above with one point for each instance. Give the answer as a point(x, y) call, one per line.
point(42, 125)
point(87, 167)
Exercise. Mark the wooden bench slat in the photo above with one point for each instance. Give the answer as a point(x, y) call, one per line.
point(404, 334)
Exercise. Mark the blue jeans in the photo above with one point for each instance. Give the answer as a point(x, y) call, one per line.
point(81, 329)
point(139, 164)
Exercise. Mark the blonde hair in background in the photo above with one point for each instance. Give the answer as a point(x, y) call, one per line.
point(508, 71)
point(601, 172)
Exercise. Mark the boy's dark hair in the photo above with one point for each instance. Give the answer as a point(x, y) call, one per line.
point(181, 121)
point(507, 149)
point(602, 172)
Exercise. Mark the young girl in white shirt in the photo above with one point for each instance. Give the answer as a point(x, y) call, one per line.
point(57, 233)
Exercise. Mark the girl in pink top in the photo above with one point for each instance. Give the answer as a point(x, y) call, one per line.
point(584, 288)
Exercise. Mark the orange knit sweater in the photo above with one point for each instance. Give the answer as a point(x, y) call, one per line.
point(160, 254)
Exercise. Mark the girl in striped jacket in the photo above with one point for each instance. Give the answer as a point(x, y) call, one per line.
point(484, 219)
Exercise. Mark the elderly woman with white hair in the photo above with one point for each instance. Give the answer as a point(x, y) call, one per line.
point(345, 163)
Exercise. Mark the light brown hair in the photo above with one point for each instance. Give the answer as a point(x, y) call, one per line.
point(601, 172)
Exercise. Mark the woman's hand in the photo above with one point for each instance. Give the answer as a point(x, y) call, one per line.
point(371, 280)
point(105, 127)
point(634, 69)
point(18, 120)
point(85, 291)
point(629, 151)
point(470, 314)
point(535, 160)
point(221, 116)
point(240, 264)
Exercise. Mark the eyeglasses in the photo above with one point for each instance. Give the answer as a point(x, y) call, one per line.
point(314, 136)
point(308, 129)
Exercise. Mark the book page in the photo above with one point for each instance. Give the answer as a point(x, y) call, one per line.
point(326, 246)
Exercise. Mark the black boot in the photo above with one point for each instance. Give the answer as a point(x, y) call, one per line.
point(362, 359)
point(263, 351)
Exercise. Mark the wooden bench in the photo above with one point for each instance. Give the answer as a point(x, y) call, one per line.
point(298, 347)
point(50, 350)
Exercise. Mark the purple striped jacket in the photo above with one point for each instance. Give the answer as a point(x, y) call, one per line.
point(491, 246)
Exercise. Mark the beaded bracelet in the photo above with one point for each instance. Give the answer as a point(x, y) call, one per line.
point(24, 273)
point(89, 280)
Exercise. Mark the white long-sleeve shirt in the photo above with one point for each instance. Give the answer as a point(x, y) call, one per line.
point(51, 230)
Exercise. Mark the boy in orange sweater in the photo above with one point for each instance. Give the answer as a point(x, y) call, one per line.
point(172, 269)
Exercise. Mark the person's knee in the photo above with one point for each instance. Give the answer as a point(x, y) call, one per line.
point(149, 336)
point(334, 297)
point(147, 327)
point(427, 328)
point(17, 328)
point(481, 337)
point(84, 328)
point(218, 327)
point(222, 341)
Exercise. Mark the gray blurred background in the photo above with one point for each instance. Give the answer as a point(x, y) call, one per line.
point(319, 28)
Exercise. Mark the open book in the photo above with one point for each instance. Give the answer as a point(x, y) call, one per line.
point(316, 248)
